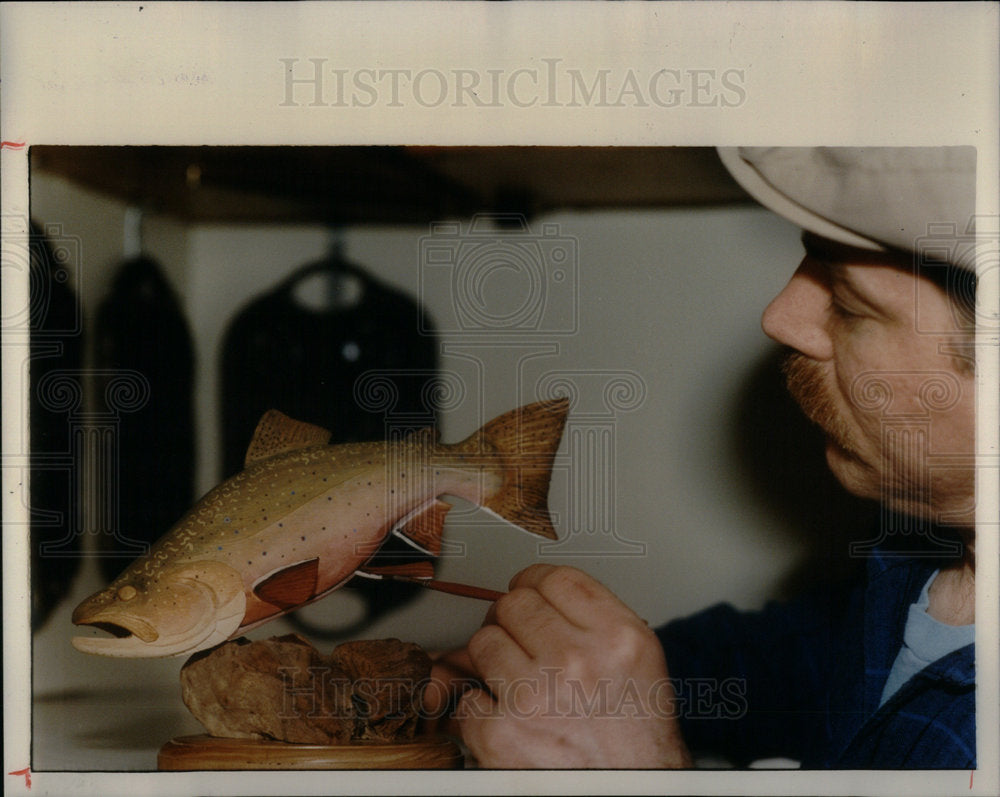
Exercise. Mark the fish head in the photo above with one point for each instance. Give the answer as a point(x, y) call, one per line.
point(180, 609)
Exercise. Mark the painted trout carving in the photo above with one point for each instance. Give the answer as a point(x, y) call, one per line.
point(303, 517)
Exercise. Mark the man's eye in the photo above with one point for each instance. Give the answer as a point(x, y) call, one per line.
point(841, 310)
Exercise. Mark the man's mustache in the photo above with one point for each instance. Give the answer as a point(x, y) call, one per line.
point(804, 379)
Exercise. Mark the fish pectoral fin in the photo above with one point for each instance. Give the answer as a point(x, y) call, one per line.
point(276, 433)
point(425, 527)
point(421, 570)
point(290, 587)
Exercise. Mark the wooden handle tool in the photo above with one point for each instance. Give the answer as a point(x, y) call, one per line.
point(453, 588)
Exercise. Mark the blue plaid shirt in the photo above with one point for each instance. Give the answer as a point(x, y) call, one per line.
point(803, 680)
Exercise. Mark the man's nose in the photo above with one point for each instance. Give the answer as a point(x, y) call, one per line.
point(797, 316)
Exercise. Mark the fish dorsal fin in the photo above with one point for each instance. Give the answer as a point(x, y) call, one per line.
point(421, 570)
point(277, 433)
point(291, 586)
point(425, 527)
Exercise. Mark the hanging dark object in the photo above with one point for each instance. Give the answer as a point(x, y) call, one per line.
point(303, 346)
point(141, 328)
point(56, 344)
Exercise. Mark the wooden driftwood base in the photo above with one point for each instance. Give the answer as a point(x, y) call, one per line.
point(205, 752)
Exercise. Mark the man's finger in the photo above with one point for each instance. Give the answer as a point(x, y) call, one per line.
point(496, 654)
point(534, 623)
point(472, 714)
point(583, 600)
point(451, 673)
point(530, 576)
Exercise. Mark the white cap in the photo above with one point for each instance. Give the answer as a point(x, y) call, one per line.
point(914, 199)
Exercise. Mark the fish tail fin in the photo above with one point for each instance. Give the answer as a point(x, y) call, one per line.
point(525, 441)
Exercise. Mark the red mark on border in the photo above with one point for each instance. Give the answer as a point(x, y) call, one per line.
point(27, 775)
point(11, 145)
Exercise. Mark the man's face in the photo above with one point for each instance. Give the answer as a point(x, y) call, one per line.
point(896, 406)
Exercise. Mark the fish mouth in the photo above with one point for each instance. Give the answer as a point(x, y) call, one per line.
point(123, 644)
point(112, 628)
point(209, 616)
point(131, 637)
point(120, 626)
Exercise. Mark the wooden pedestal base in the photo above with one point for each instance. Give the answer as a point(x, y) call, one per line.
point(210, 752)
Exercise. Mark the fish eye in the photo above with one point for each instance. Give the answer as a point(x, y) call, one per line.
point(127, 592)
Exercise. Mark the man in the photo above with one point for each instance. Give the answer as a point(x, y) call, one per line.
point(878, 321)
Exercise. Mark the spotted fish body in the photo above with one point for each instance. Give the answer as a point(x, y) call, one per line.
point(303, 517)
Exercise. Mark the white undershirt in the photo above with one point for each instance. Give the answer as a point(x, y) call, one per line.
point(925, 640)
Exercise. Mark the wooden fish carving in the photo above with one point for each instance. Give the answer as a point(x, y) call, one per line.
point(304, 516)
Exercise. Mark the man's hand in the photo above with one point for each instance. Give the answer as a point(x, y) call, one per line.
point(573, 679)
